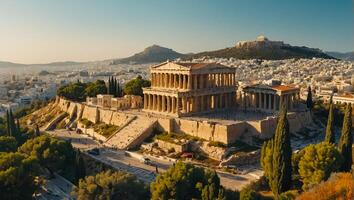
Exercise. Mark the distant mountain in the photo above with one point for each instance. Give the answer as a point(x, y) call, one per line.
point(151, 54)
point(65, 63)
point(262, 48)
point(10, 64)
point(349, 56)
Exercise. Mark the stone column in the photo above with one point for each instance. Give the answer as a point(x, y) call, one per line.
point(201, 83)
point(183, 83)
point(269, 102)
point(180, 83)
point(154, 102)
point(195, 81)
point(184, 104)
point(178, 101)
point(168, 102)
point(259, 100)
point(188, 81)
point(173, 104)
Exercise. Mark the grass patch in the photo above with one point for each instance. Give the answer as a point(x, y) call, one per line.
point(217, 144)
point(87, 123)
point(175, 138)
point(105, 129)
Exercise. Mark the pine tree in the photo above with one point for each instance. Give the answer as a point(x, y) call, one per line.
point(346, 140)
point(330, 135)
point(280, 179)
point(309, 102)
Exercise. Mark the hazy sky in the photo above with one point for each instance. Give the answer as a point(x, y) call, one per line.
point(39, 31)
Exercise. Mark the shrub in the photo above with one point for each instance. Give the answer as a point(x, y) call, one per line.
point(318, 162)
point(248, 193)
point(338, 186)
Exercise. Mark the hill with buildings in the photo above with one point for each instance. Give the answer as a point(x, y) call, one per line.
point(150, 54)
point(263, 48)
point(349, 56)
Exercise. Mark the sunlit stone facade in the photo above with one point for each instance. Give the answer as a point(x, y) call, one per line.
point(182, 89)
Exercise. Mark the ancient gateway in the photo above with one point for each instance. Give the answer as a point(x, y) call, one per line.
point(183, 89)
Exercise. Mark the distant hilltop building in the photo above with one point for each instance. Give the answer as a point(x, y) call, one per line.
point(260, 42)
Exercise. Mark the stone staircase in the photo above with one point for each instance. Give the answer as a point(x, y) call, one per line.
point(133, 134)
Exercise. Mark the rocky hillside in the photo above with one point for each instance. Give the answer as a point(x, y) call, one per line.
point(349, 56)
point(262, 48)
point(152, 54)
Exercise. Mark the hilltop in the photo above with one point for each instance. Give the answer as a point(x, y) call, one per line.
point(150, 54)
point(262, 48)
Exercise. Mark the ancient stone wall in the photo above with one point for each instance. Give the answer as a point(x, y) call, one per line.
point(166, 146)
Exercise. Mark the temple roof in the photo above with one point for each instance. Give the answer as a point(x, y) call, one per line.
point(191, 66)
point(282, 88)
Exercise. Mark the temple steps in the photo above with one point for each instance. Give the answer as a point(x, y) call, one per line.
point(132, 134)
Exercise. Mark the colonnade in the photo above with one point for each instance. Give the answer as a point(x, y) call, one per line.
point(186, 104)
point(269, 101)
point(192, 81)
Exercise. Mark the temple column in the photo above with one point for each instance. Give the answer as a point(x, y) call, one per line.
point(158, 99)
point(201, 81)
point(269, 102)
point(184, 104)
point(168, 102)
point(183, 84)
point(195, 81)
point(173, 104)
point(189, 81)
point(160, 80)
point(178, 101)
point(180, 82)
point(154, 102)
point(259, 100)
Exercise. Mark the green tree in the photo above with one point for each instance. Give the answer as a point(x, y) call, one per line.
point(8, 144)
point(95, 88)
point(17, 172)
point(80, 170)
point(135, 86)
point(248, 193)
point(346, 140)
point(50, 152)
point(276, 157)
point(318, 162)
point(73, 91)
point(309, 102)
point(2, 126)
point(111, 185)
point(330, 135)
point(184, 181)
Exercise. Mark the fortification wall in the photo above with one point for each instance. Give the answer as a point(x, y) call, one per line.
point(105, 116)
point(91, 114)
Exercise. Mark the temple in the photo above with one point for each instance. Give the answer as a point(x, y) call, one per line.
point(269, 98)
point(183, 89)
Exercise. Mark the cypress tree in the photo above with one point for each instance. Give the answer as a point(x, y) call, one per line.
point(281, 151)
point(346, 140)
point(309, 102)
point(8, 123)
point(11, 124)
point(115, 87)
point(110, 85)
point(330, 135)
point(80, 170)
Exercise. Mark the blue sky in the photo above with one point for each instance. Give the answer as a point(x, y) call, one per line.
point(39, 31)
